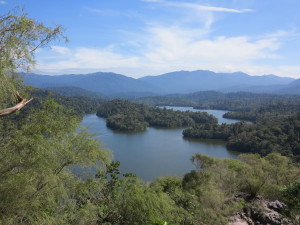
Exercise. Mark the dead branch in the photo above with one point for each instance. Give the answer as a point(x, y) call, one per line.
point(21, 102)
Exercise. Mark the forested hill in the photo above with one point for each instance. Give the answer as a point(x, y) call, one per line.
point(123, 115)
point(170, 83)
point(280, 134)
point(75, 91)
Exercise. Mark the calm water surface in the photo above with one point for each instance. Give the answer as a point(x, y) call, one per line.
point(155, 152)
point(217, 113)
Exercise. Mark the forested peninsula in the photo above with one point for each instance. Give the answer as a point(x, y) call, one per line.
point(124, 115)
point(275, 127)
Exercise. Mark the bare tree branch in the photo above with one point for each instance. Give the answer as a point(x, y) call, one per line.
point(21, 102)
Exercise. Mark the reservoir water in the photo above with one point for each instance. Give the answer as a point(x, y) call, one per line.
point(217, 113)
point(155, 152)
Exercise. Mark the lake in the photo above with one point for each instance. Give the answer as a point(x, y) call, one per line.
point(217, 113)
point(155, 152)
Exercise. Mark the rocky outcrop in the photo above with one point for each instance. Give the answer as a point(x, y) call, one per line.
point(261, 212)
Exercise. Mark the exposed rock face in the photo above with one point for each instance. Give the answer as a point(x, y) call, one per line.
point(261, 212)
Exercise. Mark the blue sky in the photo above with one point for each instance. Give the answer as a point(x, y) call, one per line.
point(151, 37)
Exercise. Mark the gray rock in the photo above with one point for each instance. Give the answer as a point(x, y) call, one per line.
point(277, 205)
point(261, 212)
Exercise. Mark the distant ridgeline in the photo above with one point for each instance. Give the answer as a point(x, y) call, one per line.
point(123, 115)
point(112, 84)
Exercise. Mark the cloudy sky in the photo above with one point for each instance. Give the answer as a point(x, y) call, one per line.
point(151, 37)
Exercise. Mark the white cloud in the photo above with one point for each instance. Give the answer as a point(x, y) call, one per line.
point(206, 7)
point(203, 16)
point(84, 59)
point(286, 35)
point(167, 46)
point(61, 50)
point(152, 0)
point(105, 12)
point(2, 2)
point(292, 71)
point(163, 48)
point(170, 49)
point(199, 6)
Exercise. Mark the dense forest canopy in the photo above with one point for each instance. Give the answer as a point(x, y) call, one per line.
point(124, 115)
point(237, 101)
point(275, 126)
point(275, 118)
point(274, 135)
point(80, 105)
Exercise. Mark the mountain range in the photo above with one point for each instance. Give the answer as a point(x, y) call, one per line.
point(170, 83)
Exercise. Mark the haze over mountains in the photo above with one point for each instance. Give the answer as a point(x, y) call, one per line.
point(169, 83)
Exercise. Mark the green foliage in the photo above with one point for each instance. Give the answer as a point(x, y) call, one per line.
point(20, 36)
point(127, 122)
point(277, 105)
point(247, 116)
point(41, 147)
point(218, 182)
point(39, 188)
point(291, 195)
point(139, 204)
point(280, 134)
point(128, 200)
point(274, 135)
point(34, 164)
point(80, 105)
point(256, 104)
point(127, 116)
point(253, 174)
point(215, 131)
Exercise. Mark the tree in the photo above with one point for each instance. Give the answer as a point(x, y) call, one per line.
point(39, 150)
point(21, 102)
point(36, 179)
point(20, 37)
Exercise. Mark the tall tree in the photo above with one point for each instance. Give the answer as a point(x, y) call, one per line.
point(39, 150)
point(20, 37)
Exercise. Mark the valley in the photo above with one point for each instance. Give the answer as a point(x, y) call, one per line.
point(156, 152)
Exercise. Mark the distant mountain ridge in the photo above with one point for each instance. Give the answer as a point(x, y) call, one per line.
point(292, 88)
point(169, 83)
point(203, 80)
point(105, 83)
